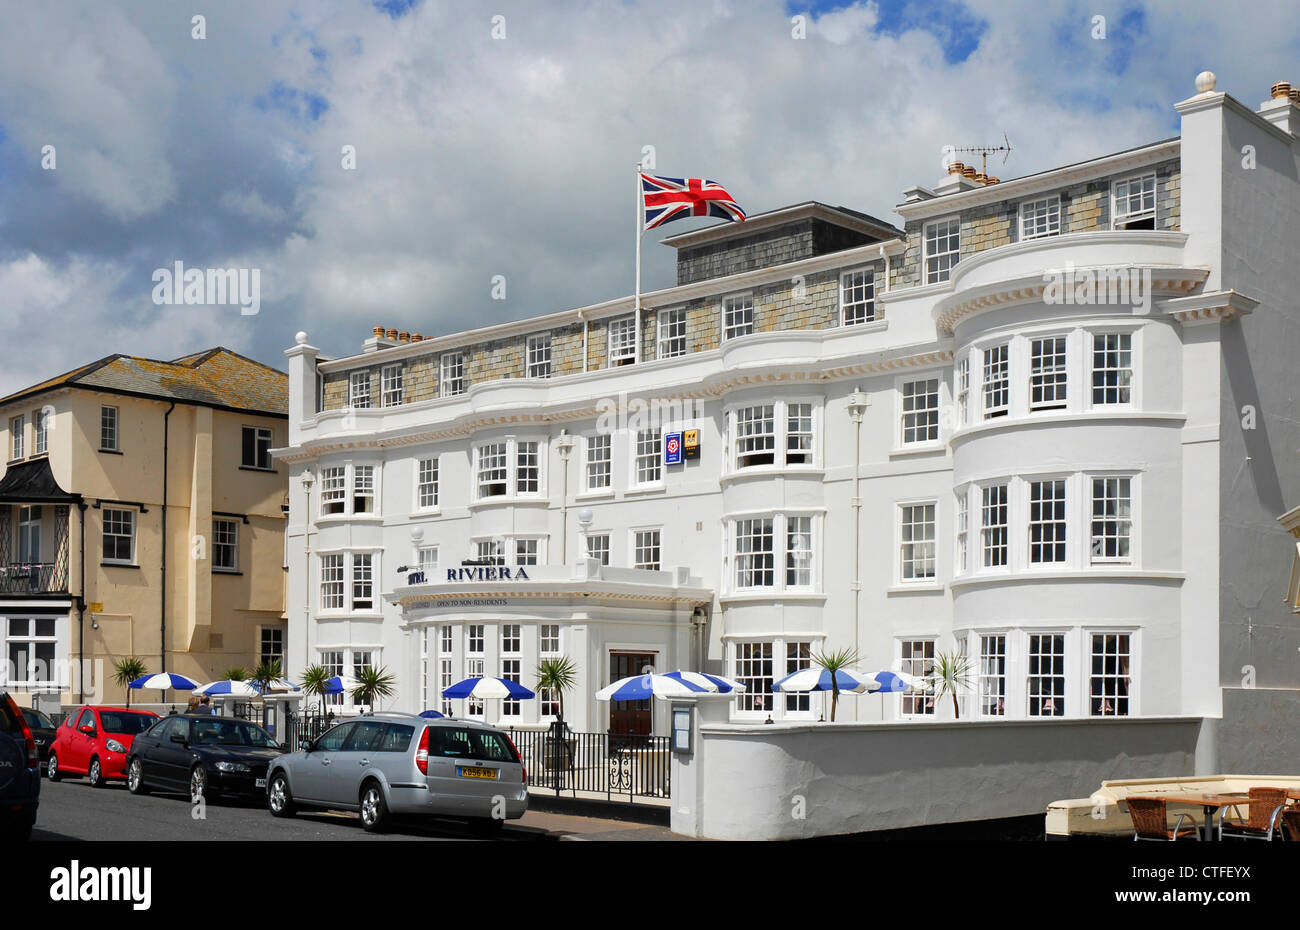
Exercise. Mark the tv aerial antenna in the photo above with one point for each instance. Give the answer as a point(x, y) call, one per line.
point(984, 151)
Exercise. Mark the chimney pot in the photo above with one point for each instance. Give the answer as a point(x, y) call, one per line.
point(403, 336)
point(1295, 95)
point(968, 172)
point(378, 332)
point(1281, 89)
point(391, 334)
point(416, 337)
point(991, 180)
point(981, 177)
point(956, 168)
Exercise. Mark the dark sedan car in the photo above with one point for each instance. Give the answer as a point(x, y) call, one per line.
point(204, 755)
point(43, 731)
point(20, 774)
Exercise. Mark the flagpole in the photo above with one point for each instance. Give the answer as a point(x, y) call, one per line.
point(636, 298)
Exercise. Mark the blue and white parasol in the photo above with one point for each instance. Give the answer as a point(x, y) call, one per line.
point(897, 681)
point(339, 683)
point(229, 688)
point(715, 683)
point(487, 689)
point(164, 681)
point(819, 679)
point(671, 685)
point(279, 686)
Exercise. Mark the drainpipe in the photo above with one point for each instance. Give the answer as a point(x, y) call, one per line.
point(583, 317)
point(565, 446)
point(858, 404)
point(81, 609)
point(162, 645)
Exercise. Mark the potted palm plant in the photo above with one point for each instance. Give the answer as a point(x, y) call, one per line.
point(314, 680)
point(265, 673)
point(236, 673)
point(950, 673)
point(838, 661)
point(557, 675)
point(126, 670)
point(372, 685)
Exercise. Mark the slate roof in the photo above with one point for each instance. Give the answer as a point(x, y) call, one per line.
point(32, 482)
point(215, 378)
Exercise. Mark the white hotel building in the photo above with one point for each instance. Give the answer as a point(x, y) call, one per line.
point(910, 442)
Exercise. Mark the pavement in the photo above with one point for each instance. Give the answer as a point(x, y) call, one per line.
point(71, 810)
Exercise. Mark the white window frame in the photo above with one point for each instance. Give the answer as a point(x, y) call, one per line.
point(427, 484)
point(944, 261)
point(1092, 519)
point(1040, 218)
point(451, 374)
point(961, 525)
point(986, 670)
point(988, 544)
point(109, 430)
point(652, 542)
point(56, 677)
point(671, 343)
point(539, 355)
point(649, 464)
point(17, 437)
point(621, 348)
point(334, 573)
point(40, 432)
point(909, 702)
point(1049, 372)
point(600, 554)
point(993, 387)
point(784, 661)
point(905, 539)
point(336, 489)
point(359, 389)
point(1064, 676)
point(333, 488)
point(854, 312)
point(514, 449)
point(1089, 636)
point(511, 642)
point(781, 435)
point(1119, 387)
point(392, 386)
point(231, 544)
point(783, 555)
point(1122, 221)
point(738, 316)
point(919, 415)
point(492, 468)
point(1064, 522)
point(364, 485)
point(345, 572)
point(598, 462)
point(961, 389)
point(132, 535)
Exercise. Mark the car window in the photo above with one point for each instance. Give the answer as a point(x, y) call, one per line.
point(364, 736)
point(37, 719)
point(466, 743)
point(127, 724)
point(396, 738)
point(162, 729)
point(87, 717)
point(214, 731)
point(333, 740)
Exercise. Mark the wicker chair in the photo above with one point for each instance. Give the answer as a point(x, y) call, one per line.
point(1291, 824)
point(1151, 822)
point(1266, 806)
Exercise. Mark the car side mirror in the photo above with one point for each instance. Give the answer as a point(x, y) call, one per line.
point(178, 738)
point(305, 745)
point(88, 729)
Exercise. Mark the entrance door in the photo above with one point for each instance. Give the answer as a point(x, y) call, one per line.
point(629, 717)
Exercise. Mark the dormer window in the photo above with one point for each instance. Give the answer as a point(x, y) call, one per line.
point(1040, 218)
point(1135, 202)
point(942, 249)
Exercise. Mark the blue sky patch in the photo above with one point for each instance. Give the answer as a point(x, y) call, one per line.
point(957, 29)
point(396, 9)
point(299, 103)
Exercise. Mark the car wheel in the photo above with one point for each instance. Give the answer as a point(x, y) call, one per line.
point(52, 768)
point(279, 800)
point(95, 774)
point(198, 782)
point(374, 810)
point(135, 777)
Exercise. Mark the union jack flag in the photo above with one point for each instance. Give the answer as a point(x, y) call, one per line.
point(668, 199)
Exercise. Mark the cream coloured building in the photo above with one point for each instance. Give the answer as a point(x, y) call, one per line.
point(141, 514)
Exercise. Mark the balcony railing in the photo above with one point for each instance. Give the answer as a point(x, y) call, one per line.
point(33, 577)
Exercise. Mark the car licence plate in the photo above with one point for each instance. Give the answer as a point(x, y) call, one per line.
point(259, 783)
point(464, 772)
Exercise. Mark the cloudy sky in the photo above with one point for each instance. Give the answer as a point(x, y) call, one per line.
point(512, 154)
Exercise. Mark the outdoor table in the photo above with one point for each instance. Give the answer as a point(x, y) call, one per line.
point(1209, 803)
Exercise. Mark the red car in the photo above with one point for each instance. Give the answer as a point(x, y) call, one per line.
point(94, 741)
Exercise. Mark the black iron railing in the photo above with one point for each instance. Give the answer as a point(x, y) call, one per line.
point(294, 728)
point(622, 767)
point(33, 577)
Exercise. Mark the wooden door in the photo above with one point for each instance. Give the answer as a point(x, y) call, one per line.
point(629, 717)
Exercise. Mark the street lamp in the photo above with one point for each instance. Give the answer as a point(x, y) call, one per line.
point(564, 445)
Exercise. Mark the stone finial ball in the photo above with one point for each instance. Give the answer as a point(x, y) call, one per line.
point(417, 533)
point(300, 337)
point(1205, 82)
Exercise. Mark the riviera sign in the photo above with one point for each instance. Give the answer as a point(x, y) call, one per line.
point(487, 573)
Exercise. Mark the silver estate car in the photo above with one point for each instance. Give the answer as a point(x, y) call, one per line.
point(389, 764)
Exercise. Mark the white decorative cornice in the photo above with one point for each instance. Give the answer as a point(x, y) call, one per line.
point(1214, 307)
point(1031, 288)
